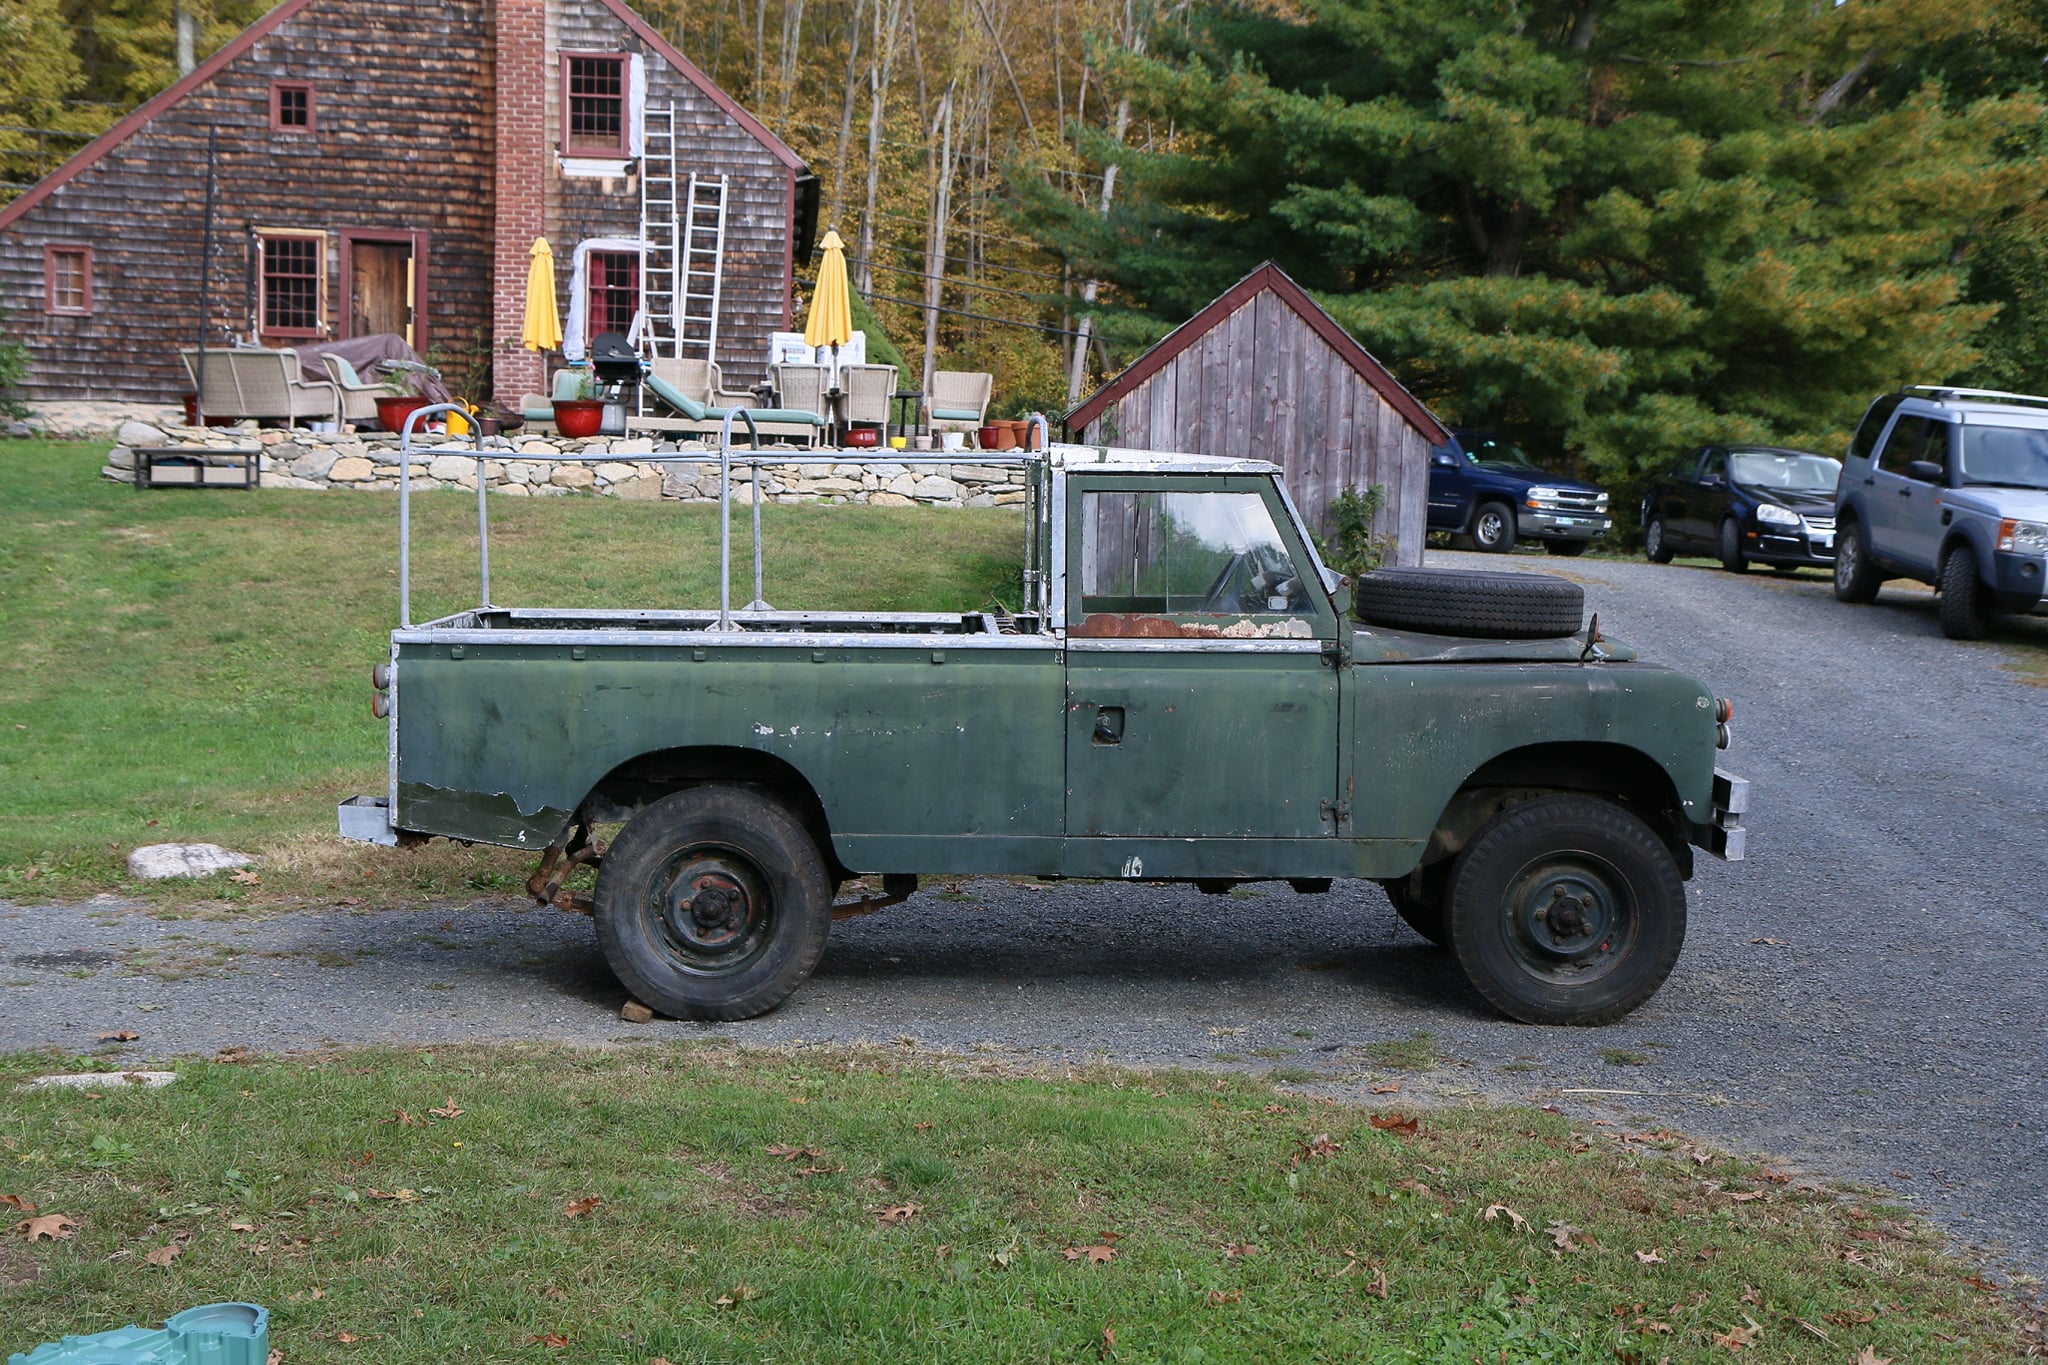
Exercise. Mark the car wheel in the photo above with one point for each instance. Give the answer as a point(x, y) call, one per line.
point(713, 903)
point(1965, 606)
point(1731, 548)
point(1570, 549)
point(1493, 528)
point(1655, 547)
point(1566, 910)
point(1856, 578)
point(1421, 899)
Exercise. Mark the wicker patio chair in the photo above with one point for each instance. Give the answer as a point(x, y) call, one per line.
point(867, 393)
point(355, 397)
point(259, 384)
point(671, 382)
point(958, 400)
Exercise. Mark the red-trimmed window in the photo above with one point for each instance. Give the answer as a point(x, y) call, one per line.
point(291, 107)
point(292, 279)
point(67, 279)
point(614, 290)
point(594, 85)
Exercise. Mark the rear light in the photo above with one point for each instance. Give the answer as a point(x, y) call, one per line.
point(380, 676)
point(380, 705)
point(1724, 710)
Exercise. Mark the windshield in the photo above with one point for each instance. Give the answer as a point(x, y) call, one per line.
point(2011, 457)
point(1495, 453)
point(1786, 473)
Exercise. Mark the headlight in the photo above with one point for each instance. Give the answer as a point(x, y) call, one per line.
point(1601, 502)
point(1537, 495)
point(2023, 537)
point(1772, 514)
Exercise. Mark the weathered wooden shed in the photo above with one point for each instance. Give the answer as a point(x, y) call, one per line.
point(1264, 373)
point(384, 166)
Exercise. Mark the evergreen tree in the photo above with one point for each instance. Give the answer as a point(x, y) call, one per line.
point(1611, 229)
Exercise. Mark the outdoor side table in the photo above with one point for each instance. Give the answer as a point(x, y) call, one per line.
point(196, 461)
point(906, 412)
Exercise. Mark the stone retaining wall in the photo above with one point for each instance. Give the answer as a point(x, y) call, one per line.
point(530, 466)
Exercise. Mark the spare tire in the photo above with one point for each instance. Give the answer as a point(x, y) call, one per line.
point(1480, 602)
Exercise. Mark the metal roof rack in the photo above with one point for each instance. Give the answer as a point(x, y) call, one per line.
point(1944, 392)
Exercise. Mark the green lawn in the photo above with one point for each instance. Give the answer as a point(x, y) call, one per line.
point(193, 666)
point(706, 1203)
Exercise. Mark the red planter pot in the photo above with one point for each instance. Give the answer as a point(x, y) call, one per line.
point(392, 410)
point(578, 417)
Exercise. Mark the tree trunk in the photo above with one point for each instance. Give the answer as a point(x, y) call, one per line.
point(935, 234)
point(1077, 370)
point(792, 51)
point(849, 96)
point(884, 55)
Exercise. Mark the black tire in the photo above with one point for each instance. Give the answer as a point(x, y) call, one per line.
point(1493, 528)
point(1422, 900)
point(1856, 577)
point(1732, 558)
point(1566, 910)
point(1965, 606)
point(1570, 549)
point(763, 874)
point(1480, 602)
point(1655, 545)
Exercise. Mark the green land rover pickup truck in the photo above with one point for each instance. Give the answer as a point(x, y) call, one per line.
point(1184, 694)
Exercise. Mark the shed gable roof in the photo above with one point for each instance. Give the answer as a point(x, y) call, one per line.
point(1266, 278)
point(200, 75)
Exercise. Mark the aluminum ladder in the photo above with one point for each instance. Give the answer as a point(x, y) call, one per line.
point(702, 266)
point(658, 204)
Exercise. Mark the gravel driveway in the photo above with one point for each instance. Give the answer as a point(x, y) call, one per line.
point(1863, 997)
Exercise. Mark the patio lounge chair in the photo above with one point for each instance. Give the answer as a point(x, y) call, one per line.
point(959, 400)
point(355, 398)
point(260, 384)
point(671, 382)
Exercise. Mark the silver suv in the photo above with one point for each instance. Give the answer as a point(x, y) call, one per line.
point(1949, 486)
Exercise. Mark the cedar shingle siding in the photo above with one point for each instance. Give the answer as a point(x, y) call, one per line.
point(403, 142)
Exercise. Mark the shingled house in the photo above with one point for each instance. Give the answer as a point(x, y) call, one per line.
point(1264, 373)
point(384, 166)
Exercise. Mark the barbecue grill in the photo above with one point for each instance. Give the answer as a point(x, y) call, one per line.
point(617, 368)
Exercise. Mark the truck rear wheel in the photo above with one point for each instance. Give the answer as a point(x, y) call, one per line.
point(713, 903)
point(1420, 899)
point(1856, 578)
point(1566, 910)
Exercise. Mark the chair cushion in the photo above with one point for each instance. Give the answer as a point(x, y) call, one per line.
point(346, 371)
point(538, 414)
point(781, 415)
point(956, 414)
point(676, 398)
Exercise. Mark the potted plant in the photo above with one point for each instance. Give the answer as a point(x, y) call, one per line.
point(580, 414)
point(399, 400)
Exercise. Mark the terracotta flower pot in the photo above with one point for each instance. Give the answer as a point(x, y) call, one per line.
point(578, 417)
point(393, 409)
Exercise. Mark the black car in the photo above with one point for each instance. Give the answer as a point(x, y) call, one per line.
point(1745, 504)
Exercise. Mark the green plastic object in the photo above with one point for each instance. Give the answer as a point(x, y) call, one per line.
point(213, 1334)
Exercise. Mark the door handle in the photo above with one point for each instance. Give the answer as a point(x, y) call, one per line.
point(1109, 725)
point(1905, 492)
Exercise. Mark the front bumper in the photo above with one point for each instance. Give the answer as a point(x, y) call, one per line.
point(1725, 837)
point(1771, 544)
point(1561, 525)
point(2019, 583)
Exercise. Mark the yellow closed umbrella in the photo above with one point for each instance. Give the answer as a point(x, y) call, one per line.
point(543, 329)
point(830, 321)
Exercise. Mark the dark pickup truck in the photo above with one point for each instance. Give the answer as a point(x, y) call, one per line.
point(1486, 488)
point(1744, 504)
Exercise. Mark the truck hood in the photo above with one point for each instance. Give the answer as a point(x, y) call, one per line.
point(2021, 504)
point(1522, 473)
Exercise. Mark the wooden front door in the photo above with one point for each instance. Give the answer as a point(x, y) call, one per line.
point(380, 289)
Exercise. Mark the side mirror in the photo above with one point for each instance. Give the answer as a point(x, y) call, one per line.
point(1713, 481)
point(1444, 459)
point(1926, 471)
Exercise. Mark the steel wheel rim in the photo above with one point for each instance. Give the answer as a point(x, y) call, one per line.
point(1653, 537)
point(1569, 918)
point(708, 910)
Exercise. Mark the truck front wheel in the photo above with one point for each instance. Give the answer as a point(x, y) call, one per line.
point(1493, 528)
point(1566, 910)
point(713, 903)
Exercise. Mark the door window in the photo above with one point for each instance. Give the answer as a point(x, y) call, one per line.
point(1909, 434)
point(1186, 554)
point(1715, 466)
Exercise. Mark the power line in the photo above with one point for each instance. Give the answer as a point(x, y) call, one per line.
point(980, 317)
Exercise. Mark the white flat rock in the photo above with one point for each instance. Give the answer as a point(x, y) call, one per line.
point(154, 862)
point(102, 1080)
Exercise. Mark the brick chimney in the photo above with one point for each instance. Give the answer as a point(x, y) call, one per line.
point(521, 188)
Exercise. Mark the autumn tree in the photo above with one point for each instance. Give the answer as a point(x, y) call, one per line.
point(1612, 229)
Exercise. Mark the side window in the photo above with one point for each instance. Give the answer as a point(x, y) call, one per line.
point(1715, 466)
point(1873, 422)
point(1938, 446)
point(1909, 433)
point(1185, 554)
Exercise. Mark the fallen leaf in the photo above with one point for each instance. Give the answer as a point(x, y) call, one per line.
point(576, 1208)
point(1233, 1250)
point(276, 1357)
point(1396, 1122)
point(54, 1227)
point(1384, 1088)
point(1218, 1297)
point(403, 1119)
point(246, 877)
point(241, 1227)
point(1747, 1196)
point(448, 1110)
point(808, 1171)
point(164, 1255)
point(1869, 1356)
point(400, 1196)
point(1650, 1257)
point(1278, 1109)
point(1107, 1344)
point(1515, 1220)
point(1319, 1145)
point(741, 1292)
point(1735, 1338)
point(889, 1215)
point(921, 1127)
point(1751, 1296)
point(1378, 1287)
point(15, 1201)
point(549, 1339)
point(788, 1153)
point(1095, 1255)
point(120, 1036)
point(1563, 1236)
point(346, 1337)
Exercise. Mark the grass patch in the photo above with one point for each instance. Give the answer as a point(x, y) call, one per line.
point(674, 1201)
point(194, 667)
point(1417, 1052)
point(1624, 1056)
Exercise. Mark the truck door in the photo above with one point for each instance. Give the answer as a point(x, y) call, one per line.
point(1202, 679)
point(1447, 488)
point(1899, 509)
